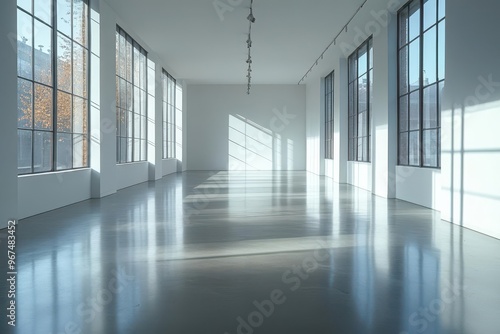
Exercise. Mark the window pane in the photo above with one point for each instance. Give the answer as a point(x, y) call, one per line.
point(43, 107)
point(403, 113)
point(430, 116)
point(366, 145)
point(440, 96)
point(130, 97)
point(370, 54)
point(24, 151)
point(370, 89)
point(130, 148)
point(123, 93)
point(430, 149)
point(80, 151)
point(430, 13)
point(355, 93)
point(123, 149)
point(403, 27)
point(43, 10)
point(353, 68)
point(403, 148)
point(137, 126)
point(24, 104)
point(429, 54)
point(137, 68)
point(43, 53)
point(142, 102)
point(24, 45)
point(352, 127)
point(64, 151)
point(42, 152)
point(123, 123)
point(117, 54)
point(117, 92)
point(64, 112)
point(80, 21)
point(143, 127)
point(130, 123)
point(414, 154)
point(403, 71)
point(80, 114)
point(415, 110)
point(79, 70)
point(128, 50)
point(414, 64)
point(414, 24)
point(351, 99)
point(442, 9)
point(441, 50)
point(144, 150)
point(25, 4)
point(362, 124)
point(352, 148)
point(363, 97)
point(137, 100)
point(122, 63)
point(64, 66)
point(362, 60)
point(64, 16)
point(143, 74)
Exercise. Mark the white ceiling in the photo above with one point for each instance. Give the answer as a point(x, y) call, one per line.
point(192, 40)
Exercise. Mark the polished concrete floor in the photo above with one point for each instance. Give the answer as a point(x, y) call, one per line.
point(253, 252)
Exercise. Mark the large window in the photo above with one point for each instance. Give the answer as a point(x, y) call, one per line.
point(172, 117)
point(329, 116)
point(360, 101)
point(52, 68)
point(169, 92)
point(178, 121)
point(421, 50)
point(131, 99)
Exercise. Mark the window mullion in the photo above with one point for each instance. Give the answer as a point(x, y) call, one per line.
point(54, 85)
point(33, 94)
point(421, 84)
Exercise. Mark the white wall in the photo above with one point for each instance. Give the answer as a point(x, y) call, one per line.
point(8, 116)
point(315, 132)
point(49, 191)
point(230, 130)
point(421, 186)
point(471, 115)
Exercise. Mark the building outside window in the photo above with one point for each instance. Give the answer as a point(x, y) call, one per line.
point(131, 99)
point(52, 68)
point(421, 66)
point(329, 119)
point(360, 101)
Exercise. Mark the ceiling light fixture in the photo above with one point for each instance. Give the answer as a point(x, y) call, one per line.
point(334, 41)
point(251, 19)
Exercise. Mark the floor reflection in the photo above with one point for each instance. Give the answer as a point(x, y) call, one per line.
point(193, 253)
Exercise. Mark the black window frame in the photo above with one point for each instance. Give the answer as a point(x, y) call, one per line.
point(405, 131)
point(54, 86)
point(329, 115)
point(125, 137)
point(353, 104)
point(169, 102)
